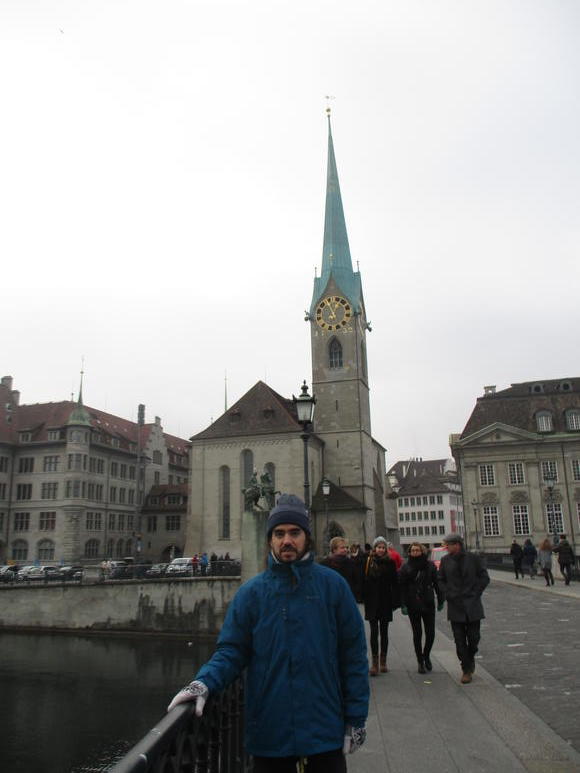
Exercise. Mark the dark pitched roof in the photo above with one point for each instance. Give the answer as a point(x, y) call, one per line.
point(260, 411)
point(518, 405)
point(39, 418)
point(417, 476)
point(338, 499)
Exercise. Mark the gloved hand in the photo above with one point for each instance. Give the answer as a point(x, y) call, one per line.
point(404, 610)
point(440, 606)
point(354, 737)
point(195, 691)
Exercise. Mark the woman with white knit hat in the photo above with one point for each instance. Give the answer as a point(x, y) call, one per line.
point(381, 597)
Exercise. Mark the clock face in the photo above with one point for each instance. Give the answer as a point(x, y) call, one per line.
point(333, 312)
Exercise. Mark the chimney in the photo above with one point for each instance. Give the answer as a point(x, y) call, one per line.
point(157, 421)
point(15, 395)
point(141, 414)
point(488, 390)
point(7, 381)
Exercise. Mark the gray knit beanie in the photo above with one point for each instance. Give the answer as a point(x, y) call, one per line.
point(289, 509)
point(378, 540)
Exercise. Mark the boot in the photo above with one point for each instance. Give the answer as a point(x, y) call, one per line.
point(374, 669)
point(427, 661)
point(384, 668)
point(421, 666)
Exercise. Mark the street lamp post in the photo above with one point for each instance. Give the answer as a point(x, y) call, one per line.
point(305, 410)
point(475, 519)
point(550, 481)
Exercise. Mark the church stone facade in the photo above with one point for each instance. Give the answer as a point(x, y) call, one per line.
point(261, 431)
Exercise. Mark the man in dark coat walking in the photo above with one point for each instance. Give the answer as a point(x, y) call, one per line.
point(566, 558)
point(463, 578)
point(517, 555)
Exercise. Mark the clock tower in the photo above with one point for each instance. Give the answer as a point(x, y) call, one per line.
point(338, 325)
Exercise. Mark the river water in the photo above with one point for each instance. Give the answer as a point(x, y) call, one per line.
point(75, 704)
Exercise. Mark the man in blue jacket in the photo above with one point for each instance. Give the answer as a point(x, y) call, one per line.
point(298, 632)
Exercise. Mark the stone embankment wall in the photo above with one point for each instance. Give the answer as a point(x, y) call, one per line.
point(189, 606)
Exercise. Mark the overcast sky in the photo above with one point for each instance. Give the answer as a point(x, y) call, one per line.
point(162, 189)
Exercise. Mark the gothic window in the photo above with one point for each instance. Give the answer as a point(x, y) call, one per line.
point(335, 354)
point(224, 499)
point(247, 466)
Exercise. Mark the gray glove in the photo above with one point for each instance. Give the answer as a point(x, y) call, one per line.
point(194, 691)
point(354, 737)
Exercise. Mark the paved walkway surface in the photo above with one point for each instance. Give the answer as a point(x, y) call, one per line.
point(431, 722)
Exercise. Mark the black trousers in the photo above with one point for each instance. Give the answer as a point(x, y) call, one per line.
point(383, 625)
point(518, 568)
point(327, 762)
point(548, 576)
point(418, 619)
point(466, 637)
point(566, 570)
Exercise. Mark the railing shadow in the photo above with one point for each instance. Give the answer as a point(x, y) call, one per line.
point(184, 743)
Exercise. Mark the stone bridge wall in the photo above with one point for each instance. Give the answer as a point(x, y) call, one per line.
point(190, 606)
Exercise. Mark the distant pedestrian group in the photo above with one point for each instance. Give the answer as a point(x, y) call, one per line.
point(527, 559)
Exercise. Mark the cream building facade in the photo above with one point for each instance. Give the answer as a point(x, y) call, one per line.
point(519, 463)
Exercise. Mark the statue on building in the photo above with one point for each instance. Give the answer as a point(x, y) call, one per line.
point(267, 486)
point(252, 493)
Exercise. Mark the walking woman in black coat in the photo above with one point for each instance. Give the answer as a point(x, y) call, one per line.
point(381, 597)
point(418, 583)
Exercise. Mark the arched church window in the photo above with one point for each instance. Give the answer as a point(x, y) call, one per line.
point(270, 468)
point(247, 466)
point(335, 354)
point(224, 501)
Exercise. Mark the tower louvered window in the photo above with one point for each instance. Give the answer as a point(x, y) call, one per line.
point(335, 354)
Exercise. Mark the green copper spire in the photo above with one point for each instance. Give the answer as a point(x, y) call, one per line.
point(336, 260)
point(79, 414)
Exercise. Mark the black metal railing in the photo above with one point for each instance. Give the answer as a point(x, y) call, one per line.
point(184, 743)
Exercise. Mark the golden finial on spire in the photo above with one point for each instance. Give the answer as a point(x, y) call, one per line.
point(328, 98)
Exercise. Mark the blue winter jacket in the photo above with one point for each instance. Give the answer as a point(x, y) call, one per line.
point(298, 631)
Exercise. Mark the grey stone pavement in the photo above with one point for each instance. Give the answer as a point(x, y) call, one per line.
point(432, 722)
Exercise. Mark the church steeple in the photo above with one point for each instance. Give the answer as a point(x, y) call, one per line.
point(336, 260)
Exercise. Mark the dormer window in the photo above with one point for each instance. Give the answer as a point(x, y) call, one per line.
point(25, 437)
point(573, 419)
point(544, 421)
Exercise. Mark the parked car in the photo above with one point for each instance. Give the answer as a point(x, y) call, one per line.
point(180, 567)
point(120, 570)
point(24, 570)
point(71, 572)
point(437, 554)
point(43, 574)
point(157, 570)
point(8, 573)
